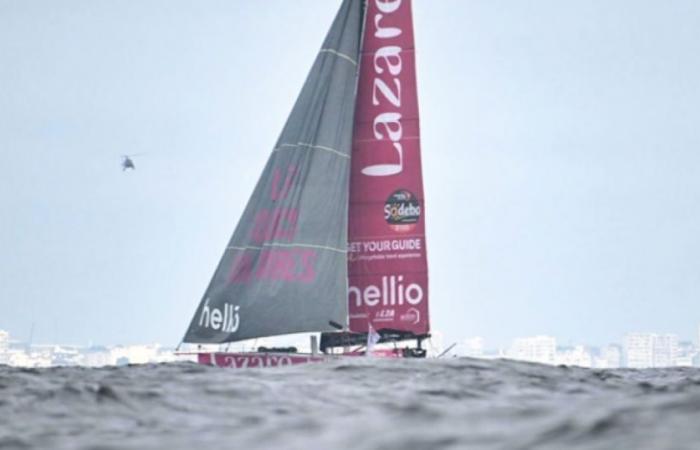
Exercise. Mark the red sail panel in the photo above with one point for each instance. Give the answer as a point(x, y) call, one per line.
point(387, 263)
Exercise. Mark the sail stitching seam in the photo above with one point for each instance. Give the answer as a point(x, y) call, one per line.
point(337, 53)
point(320, 147)
point(276, 244)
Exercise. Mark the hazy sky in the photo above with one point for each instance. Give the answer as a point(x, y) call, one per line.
point(561, 151)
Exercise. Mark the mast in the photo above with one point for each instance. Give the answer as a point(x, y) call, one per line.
point(387, 261)
point(285, 267)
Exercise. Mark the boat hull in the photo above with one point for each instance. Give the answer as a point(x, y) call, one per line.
point(256, 360)
point(250, 360)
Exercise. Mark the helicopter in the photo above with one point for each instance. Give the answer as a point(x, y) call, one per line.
point(128, 163)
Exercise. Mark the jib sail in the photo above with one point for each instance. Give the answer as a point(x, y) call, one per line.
point(387, 264)
point(285, 268)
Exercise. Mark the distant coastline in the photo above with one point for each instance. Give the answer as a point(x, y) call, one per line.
point(638, 350)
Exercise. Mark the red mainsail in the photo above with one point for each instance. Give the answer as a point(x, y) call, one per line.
point(387, 263)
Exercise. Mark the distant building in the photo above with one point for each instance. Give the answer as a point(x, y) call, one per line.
point(472, 347)
point(4, 344)
point(665, 350)
point(644, 350)
point(639, 349)
point(97, 356)
point(686, 354)
point(611, 357)
point(541, 349)
point(574, 356)
point(4, 340)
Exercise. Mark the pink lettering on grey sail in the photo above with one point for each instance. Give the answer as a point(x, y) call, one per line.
point(276, 225)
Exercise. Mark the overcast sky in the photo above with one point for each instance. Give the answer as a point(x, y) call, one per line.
point(561, 150)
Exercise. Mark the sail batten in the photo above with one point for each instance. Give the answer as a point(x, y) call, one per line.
point(278, 244)
point(312, 146)
point(284, 269)
point(339, 54)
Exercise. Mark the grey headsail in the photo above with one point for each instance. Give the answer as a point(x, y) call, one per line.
point(285, 268)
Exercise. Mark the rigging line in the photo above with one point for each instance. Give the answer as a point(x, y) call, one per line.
point(337, 53)
point(447, 350)
point(279, 244)
point(318, 147)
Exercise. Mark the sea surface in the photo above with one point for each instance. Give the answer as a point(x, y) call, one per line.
point(361, 403)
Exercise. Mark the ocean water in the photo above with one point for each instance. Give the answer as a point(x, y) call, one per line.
point(360, 403)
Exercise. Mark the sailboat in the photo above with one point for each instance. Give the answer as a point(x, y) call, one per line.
point(332, 240)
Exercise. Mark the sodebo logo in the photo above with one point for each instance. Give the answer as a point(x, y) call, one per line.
point(391, 292)
point(213, 318)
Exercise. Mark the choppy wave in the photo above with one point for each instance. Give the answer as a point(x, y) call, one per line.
point(364, 404)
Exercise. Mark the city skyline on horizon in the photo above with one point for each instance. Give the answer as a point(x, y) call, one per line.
point(437, 336)
point(637, 350)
